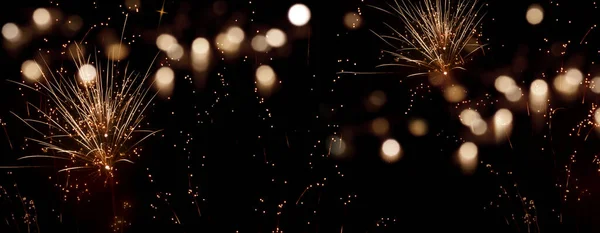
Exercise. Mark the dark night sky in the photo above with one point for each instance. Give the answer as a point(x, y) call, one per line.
point(424, 191)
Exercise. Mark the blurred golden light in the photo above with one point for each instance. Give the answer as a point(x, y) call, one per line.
point(352, 20)
point(564, 86)
point(117, 51)
point(225, 44)
point(539, 87)
point(165, 41)
point(390, 150)
point(504, 84)
point(377, 98)
point(467, 157)
point(338, 146)
point(597, 116)
point(235, 35)
point(200, 62)
point(595, 86)
point(478, 127)
point(418, 127)
point(502, 123)
point(41, 17)
point(265, 76)
point(165, 76)
point(468, 117)
point(31, 70)
point(175, 52)
point(538, 95)
point(200, 46)
point(380, 126)
point(514, 95)
point(299, 14)
point(467, 151)
point(573, 77)
point(535, 14)
point(11, 31)
point(455, 93)
point(503, 117)
point(87, 73)
point(276, 38)
point(259, 43)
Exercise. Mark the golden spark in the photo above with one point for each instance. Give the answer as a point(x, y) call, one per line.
point(161, 12)
point(436, 33)
point(90, 120)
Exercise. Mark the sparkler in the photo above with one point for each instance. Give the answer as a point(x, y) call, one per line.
point(436, 33)
point(93, 121)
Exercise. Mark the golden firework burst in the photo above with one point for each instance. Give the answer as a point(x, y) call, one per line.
point(438, 35)
point(92, 119)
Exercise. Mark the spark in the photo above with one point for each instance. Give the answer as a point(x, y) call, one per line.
point(90, 122)
point(436, 34)
point(161, 12)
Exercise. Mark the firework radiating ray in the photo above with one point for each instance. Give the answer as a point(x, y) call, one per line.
point(92, 122)
point(437, 33)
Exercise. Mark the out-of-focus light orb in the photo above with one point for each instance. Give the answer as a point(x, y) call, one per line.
point(338, 146)
point(535, 14)
point(514, 95)
point(31, 70)
point(200, 46)
point(164, 76)
point(87, 73)
point(200, 55)
point(564, 86)
point(352, 20)
point(455, 93)
point(418, 127)
point(468, 117)
point(377, 98)
point(117, 51)
point(597, 116)
point(595, 86)
point(235, 35)
point(175, 52)
point(467, 157)
point(467, 151)
point(11, 31)
point(573, 77)
point(299, 14)
point(265, 76)
point(259, 43)
point(503, 117)
point(41, 17)
point(225, 44)
point(478, 127)
point(538, 95)
point(276, 37)
point(504, 84)
point(390, 150)
point(165, 41)
point(380, 126)
point(539, 87)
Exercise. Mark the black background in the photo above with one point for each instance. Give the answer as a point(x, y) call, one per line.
point(233, 148)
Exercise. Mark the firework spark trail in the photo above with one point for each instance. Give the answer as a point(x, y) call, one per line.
point(438, 31)
point(91, 122)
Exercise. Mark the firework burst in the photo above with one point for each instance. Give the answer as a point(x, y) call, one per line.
point(92, 120)
point(438, 35)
